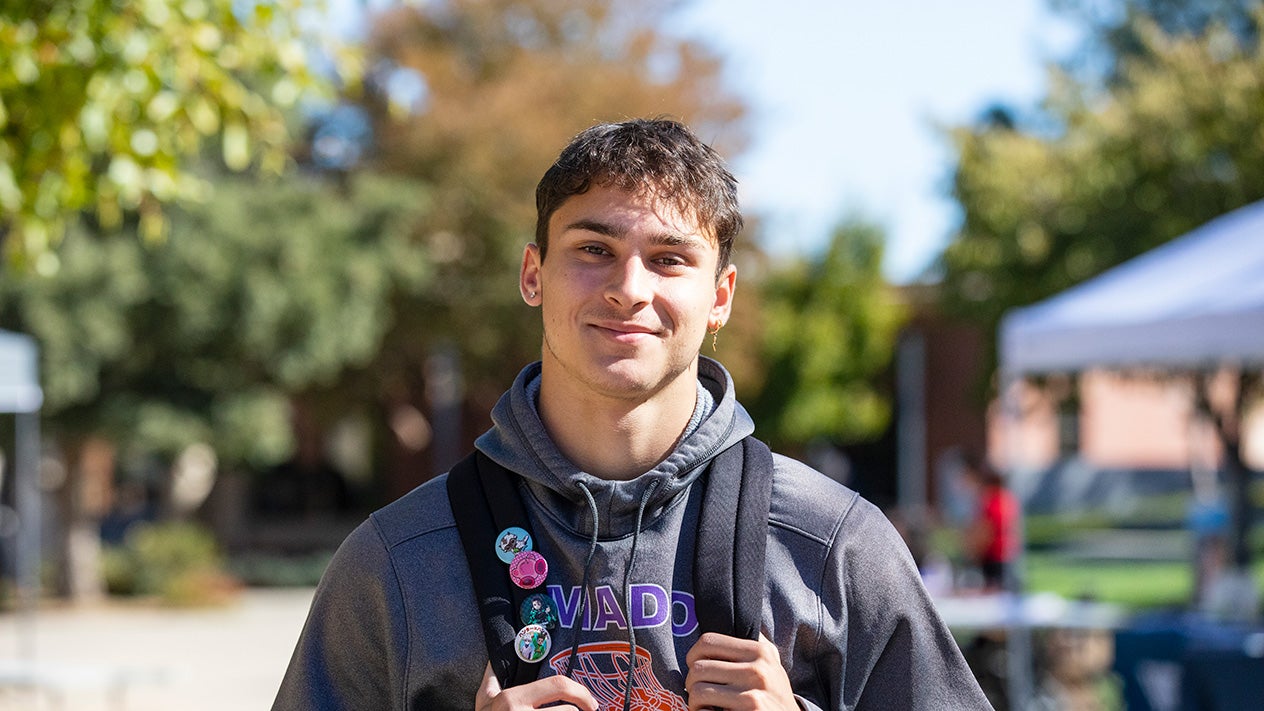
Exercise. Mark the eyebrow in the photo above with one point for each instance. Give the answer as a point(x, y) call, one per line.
point(669, 239)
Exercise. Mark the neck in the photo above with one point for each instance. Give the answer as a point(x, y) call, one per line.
point(615, 438)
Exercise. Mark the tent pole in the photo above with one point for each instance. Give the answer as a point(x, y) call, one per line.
point(1020, 689)
point(27, 500)
point(910, 372)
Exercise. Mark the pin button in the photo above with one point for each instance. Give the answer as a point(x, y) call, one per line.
point(538, 609)
point(532, 643)
point(528, 570)
point(511, 542)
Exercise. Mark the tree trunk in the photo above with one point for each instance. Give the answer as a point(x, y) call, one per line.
point(84, 499)
point(1228, 423)
point(1240, 508)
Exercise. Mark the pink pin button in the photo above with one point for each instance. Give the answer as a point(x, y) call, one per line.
point(528, 570)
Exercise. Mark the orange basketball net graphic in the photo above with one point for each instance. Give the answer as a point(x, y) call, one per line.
point(603, 666)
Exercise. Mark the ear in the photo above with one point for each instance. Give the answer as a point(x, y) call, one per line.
point(529, 278)
point(725, 286)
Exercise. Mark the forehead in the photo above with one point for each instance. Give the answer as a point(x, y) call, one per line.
point(623, 211)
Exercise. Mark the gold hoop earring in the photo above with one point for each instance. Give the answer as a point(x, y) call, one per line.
point(715, 336)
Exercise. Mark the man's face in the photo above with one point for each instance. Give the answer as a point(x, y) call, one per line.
point(628, 293)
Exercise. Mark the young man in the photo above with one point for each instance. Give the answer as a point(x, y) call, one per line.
point(609, 439)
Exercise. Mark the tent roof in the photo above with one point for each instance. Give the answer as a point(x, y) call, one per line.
point(1194, 302)
point(19, 382)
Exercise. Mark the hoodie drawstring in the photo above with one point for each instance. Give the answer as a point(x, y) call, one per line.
point(627, 595)
point(583, 586)
point(627, 587)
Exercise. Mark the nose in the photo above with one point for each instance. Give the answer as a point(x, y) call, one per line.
point(630, 285)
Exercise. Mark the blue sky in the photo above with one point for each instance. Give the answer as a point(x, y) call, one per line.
point(847, 97)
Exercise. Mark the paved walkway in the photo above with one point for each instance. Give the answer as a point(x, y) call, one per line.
point(166, 659)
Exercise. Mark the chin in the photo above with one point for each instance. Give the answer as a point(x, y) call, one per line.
point(633, 380)
point(621, 383)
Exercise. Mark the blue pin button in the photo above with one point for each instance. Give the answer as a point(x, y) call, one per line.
point(511, 542)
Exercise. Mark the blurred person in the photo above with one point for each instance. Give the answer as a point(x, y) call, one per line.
point(1226, 593)
point(992, 538)
point(613, 444)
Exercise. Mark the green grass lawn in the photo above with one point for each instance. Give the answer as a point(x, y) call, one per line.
point(1137, 585)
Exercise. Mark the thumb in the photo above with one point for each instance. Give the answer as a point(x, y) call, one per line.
point(769, 645)
point(488, 689)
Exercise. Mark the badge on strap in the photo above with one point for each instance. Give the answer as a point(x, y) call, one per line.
point(532, 643)
point(528, 570)
point(511, 542)
point(538, 609)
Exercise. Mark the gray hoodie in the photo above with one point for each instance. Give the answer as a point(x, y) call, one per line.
point(394, 624)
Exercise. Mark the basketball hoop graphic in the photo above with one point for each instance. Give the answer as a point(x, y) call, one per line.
point(602, 668)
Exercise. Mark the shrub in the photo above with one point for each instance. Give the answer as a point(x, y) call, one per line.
point(178, 562)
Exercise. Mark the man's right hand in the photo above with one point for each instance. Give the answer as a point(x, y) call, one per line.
point(550, 690)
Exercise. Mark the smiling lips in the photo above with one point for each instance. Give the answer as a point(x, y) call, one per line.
point(624, 331)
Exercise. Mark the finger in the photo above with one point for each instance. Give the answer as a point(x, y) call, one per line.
point(487, 689)
point(720, 673)
point(713, 645)
point(550, 690)
point(768, 649)
point(717, 682)
point(705, 697)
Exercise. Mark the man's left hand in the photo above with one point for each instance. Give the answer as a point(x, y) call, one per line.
point(737, 675)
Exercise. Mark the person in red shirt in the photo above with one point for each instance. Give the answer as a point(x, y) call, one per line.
point(993, 537)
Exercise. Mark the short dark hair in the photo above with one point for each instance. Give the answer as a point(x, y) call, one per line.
point(660, 156)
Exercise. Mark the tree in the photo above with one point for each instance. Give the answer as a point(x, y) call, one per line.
point(102, 104)
point(1113, 31)
point(829, 329)
point(270, 291)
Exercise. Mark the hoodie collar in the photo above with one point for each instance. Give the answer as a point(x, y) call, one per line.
point(519, 442)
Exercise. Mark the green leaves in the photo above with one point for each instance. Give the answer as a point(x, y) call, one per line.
point(269, 290)
point(102, 104)
point(830, 327)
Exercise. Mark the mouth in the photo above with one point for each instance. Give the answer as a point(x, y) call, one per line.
point(624, 332)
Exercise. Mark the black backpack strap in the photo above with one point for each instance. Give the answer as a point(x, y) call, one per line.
point(728, 571)
point(485, 501)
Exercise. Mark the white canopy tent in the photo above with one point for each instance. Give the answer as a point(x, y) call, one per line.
point(1196, 302)
point(20, 395)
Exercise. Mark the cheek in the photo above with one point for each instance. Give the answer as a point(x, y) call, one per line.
point(691, 308)
point(573, 286)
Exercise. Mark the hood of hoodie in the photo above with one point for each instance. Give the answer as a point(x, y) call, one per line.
point(519, 442)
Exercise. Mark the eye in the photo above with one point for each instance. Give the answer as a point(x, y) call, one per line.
point(594, 249)
point(671, 261)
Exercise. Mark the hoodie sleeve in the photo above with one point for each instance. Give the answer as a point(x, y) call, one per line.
point(353, 649)
point(880, 628)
